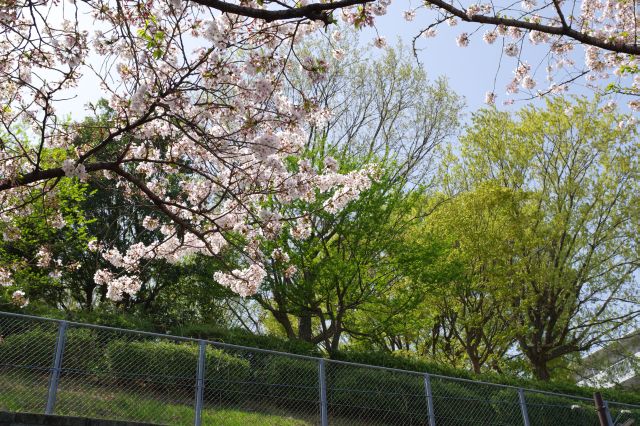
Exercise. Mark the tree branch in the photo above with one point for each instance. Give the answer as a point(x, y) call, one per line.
point(314, 11)
point(548, 29)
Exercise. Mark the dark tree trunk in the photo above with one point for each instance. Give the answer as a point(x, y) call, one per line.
point(304, 328)
point(541, 369)
point(475, 364)
point(283, 319)
point(88, 297)
point(335, 340)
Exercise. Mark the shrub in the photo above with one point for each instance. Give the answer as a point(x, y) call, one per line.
point(110, 318)
point(403, 362)
point(35, 348)
point(459, 403)
point(245, 338)
point(289, 382)
point(165, 366)
point(549, 410)
point(376, 395)
point(235, 374)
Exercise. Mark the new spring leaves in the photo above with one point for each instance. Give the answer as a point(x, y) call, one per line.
point(201, 120)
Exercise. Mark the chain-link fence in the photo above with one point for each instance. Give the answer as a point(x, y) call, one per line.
point(59, 367)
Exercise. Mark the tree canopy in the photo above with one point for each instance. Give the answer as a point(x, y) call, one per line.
point(248, 164)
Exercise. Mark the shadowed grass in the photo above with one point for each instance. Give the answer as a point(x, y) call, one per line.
point(27, 393)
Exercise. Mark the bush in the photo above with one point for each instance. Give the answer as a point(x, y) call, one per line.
point(459, 403)
point(35, 348)
point(227, 377)
point(245, 338)
point(233, 374)
point(291, 383)
point(32, 348)
point(374, 395)
point(111, 318)
point(549, 410)
point(165, 366)
point(403, 362)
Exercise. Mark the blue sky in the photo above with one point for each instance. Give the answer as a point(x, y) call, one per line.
point(471, 71)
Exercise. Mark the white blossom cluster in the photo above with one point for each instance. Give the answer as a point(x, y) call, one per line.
point(5, 278)
point(490, 98)
point(245, 282)
point(71, 169)
point(217, 123)
point(521, 77)
point(44, 257)
point(117, 287)
point(173, 248)
point(19, 298)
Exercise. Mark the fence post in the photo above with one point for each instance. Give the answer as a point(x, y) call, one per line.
point(608, 413)
point(200, 381)
point(427, 391)
point(55, 369)
point(523, 407)
point(601, 408)
point(324, 420)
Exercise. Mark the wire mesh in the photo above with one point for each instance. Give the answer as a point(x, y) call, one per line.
point(461, 402)
point(366, 395)
point(26, 358)
point(242, 380)
point(127, 376)
point(547, 409)
point(624, 414)
point(238, 379)
point(115, 374)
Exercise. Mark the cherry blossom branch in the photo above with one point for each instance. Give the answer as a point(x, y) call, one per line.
point(41, 175)
point(318, 11)
point(313, 11)
point(566, 31)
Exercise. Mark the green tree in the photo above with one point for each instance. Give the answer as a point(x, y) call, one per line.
point(561, 268)
point(384, 111)
point(478, 230)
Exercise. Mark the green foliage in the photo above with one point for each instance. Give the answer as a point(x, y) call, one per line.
point(36, 347)
point(288, 381)
point(113, 318)
point(391, 360)
point(106, 316)
point(374, 395)
point(548, 410)
point(245, 338)
point(171, 366)
point(541, 227)
point(153, 37)
point(413, 363)
point(461, 403)
point(67, 239)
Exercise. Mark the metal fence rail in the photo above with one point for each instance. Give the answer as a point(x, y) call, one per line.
point(60, 367)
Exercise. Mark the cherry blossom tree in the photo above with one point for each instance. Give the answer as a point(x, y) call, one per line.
point(201, 128)
point(606, 30)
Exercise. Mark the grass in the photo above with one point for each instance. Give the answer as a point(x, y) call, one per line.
point(27, 393)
